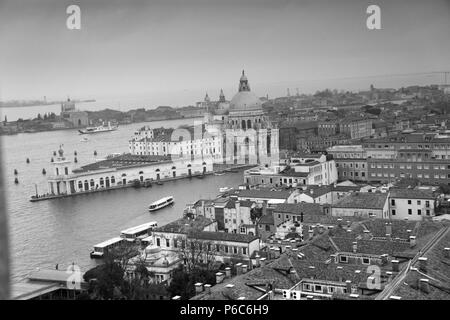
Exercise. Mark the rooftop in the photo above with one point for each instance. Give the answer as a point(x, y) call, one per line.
point(124, 161)
point(363, 200)
point(222, 236)
point(298, 208)
point(410, 194)
point(264, 194)
point(185, 225)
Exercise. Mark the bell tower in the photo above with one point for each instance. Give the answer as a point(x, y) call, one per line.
point(243, 83)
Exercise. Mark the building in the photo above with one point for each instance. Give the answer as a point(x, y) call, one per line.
point(305, 170)
point(362, 204)
point(356, 128)
point(411, 204)
point(70, 114)
point(351, 162)
point(295, 212)
point(247, 134)
point(120, 171)
point(183, 142)
point(224, 247)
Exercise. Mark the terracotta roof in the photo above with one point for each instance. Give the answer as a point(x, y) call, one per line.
point(410, 194)
point(223, 236)
point(298, 208)
point(363, 200)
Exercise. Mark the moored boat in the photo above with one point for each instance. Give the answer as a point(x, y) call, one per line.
point(103, 248)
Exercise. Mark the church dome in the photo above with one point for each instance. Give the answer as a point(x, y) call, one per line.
point(245, 100)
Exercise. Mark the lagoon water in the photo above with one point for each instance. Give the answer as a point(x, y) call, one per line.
point(63, 231)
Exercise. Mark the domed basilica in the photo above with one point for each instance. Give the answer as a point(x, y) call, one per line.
point(245, 128)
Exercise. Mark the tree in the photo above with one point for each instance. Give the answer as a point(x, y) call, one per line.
point(198, 254)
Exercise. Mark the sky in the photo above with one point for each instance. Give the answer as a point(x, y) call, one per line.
point(179, 49)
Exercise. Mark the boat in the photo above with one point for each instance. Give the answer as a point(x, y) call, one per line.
point(102, 248)
point(225, 189)
point(219, 173)
point(159, 183)
point(201, 176)
point(84, 139)
point(139, 232)
point(99, 129)
point(161, 203)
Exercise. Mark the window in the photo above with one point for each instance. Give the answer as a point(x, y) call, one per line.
point(244, 250)
point(393, 202)
point(428, 212)
point(427, 204)
point(409, 211)
point(409, 202)
point(393, 212)
point(307, 287)
point(342, 258)
point(419, 212)
point(418, 202)
point(365, 260)
point(317, 288)
point(167, 243)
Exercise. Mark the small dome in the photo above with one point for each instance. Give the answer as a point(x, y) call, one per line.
point(152, 249)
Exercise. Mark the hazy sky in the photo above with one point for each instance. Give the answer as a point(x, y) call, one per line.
point(127, 48)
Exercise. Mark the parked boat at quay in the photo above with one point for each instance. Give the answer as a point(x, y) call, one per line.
point(103, 248)
point(139, 232)
point(161, 203)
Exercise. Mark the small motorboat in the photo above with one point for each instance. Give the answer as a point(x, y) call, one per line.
point(84, 139)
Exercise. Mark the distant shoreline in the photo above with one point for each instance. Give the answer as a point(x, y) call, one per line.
point(7, 105)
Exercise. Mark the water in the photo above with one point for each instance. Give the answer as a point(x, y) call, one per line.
point(64, 230)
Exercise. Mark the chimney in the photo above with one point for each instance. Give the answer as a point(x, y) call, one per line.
point(424, 285)
point(198, 287)
point(384, 258)
point(229, 289)
point(258, 262)
point(389, 276)
point(263, 262)
point(313, 269)
point(412, 241)
point(355, 247)
point(388, 229)
point(333, 258)
point(348, 284)
point(366, 235)
point(219, 277)
point(228, 272)
point(238, 268)
point(244, 268)
point(293, 275)
point(447, 252)
point(207, 288)
point(395, 265)
point(340, 273)
point(423, 264)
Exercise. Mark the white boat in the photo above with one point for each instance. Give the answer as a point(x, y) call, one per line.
point(102, 248)
point(161, 203)
point(139, 232)
point(225, 189)
point(99, 129)
point(84, 139)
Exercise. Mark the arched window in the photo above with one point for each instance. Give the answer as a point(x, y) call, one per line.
point(249, 124)
point(113, 180)
point(102, 182)
point(141, 172)
point(124, 174)
point(243, 125)
point(80, 185)
point(92, 183)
